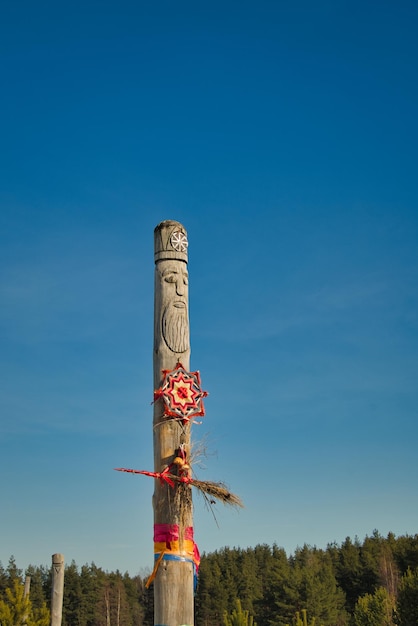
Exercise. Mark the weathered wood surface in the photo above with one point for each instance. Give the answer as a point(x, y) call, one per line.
point(173, 585)
point(57, 592)
point(27, 587)
point(26, 594)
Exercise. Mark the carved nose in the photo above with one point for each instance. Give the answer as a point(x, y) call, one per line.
point(180, 287)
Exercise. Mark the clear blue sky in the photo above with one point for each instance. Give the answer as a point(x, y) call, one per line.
point(283, 135)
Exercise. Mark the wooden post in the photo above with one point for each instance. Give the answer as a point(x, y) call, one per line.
point(26, 594)
point(173, 585)
point(57, 594)
point(27, 587)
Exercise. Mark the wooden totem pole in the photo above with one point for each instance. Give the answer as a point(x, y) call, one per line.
point(173, 513)
point(57, 591)
point(178, 400)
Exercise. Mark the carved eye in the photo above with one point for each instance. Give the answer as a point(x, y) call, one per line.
point(170, 278)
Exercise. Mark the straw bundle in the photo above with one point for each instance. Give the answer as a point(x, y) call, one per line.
point(216, 490)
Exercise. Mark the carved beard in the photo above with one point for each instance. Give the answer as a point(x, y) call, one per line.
point(175, 327)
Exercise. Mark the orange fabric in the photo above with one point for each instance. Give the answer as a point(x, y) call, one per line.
point(173, 547)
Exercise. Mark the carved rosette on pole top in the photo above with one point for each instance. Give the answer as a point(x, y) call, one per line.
point(174, 548)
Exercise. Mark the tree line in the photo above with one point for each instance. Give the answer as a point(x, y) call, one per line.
point(373, 582)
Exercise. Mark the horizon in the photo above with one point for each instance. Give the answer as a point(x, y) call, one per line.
point(146, 571)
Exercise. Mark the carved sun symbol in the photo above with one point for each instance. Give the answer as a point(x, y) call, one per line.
point(179, 241)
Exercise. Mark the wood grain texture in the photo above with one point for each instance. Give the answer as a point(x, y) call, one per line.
point(57, 593)
point(173, 585)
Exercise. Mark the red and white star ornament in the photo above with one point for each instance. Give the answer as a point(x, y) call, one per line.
point(181, 393)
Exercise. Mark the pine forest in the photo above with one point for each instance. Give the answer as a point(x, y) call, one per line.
point(373, 582)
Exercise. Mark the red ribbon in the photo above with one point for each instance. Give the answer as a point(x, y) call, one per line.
point(188, 534)
point(166, 532)
point(163, 476)
point(170, 532)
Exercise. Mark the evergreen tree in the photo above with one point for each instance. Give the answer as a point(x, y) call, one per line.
point(134, 589)
point(72, 613)
point(388, 570)
point(407, 604)
point(349, 572)
point(371, 554)
point(13, 572)
point(4, 580)
point(147, 602)
point(17, 609)
point(40, 616)
point(324, 599)
point(37, 593)
point(248, 585)
point(91, 581)
point(282, 592)
point(303, 621)
point(374, 609)
point(212, 593)
point(309, 584)
point(272, 570)
point(406, 552)
point(271, 587)
point(238, 617)
point(120, 610)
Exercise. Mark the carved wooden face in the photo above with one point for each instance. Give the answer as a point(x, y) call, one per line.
point(174, 304)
